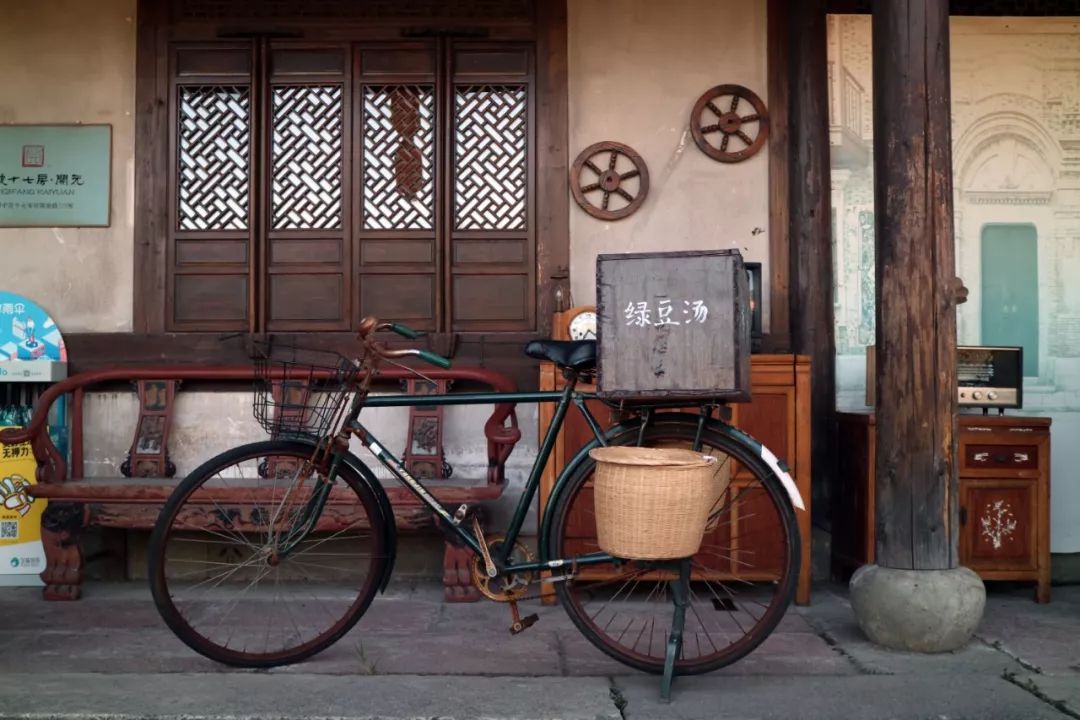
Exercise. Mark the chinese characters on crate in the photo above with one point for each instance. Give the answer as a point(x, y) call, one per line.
point(640, 314)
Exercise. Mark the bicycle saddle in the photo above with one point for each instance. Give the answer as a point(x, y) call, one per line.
point(574, 354)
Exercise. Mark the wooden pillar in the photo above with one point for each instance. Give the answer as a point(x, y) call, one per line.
point(810, 230)
point(916, 475)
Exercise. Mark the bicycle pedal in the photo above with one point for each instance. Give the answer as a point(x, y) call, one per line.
point(523, 624)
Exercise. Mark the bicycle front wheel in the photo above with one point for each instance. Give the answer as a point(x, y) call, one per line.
point(239, 574)
point(744, 575)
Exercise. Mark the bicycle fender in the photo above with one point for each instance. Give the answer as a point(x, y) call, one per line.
point(778, 466)
point(385, 509)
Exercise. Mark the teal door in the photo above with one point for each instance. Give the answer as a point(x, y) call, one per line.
point(1010, 290)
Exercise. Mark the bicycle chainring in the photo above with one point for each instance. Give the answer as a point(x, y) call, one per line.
point(503, 588)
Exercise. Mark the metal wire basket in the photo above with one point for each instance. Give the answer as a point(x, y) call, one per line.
point(300, 392)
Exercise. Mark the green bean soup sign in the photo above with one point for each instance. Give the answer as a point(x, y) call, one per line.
point(55, 175)
point(673, 324)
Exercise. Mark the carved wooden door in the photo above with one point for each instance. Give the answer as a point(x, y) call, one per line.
point(445, 230)
point(313, 183)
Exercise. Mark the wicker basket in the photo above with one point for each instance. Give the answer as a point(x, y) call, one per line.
point(652, 503)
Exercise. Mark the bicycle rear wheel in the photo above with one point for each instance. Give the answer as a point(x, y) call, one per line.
point(218, 574)
point(744, 575)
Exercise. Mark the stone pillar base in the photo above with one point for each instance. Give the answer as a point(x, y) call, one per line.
point(925, 611)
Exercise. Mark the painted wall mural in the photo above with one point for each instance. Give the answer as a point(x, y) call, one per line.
point(1016, 174)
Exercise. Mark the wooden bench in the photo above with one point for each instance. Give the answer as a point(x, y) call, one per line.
point(77, 502)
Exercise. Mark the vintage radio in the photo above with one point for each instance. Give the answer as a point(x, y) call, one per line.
point(986, 376)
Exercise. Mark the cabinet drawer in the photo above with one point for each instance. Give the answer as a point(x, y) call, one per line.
point(1000, 457)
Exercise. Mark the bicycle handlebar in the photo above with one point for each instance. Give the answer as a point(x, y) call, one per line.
point(404, 331)
point(433, 359)
point(370, 325)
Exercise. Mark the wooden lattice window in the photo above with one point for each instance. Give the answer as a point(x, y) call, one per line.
point(314, 184)
point(213, 138)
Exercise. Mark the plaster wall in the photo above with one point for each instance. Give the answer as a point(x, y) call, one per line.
point(71, 61)
point(636, 69)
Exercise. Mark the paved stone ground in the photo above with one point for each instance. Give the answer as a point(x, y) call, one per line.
point(413, 656)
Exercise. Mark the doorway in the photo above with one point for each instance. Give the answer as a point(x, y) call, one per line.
point(1010, 290)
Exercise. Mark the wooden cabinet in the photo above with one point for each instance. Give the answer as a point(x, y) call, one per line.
point(1004, 468)
point(778, 415)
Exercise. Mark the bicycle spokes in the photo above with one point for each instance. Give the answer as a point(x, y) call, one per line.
point(742, 577)
point(258, 568)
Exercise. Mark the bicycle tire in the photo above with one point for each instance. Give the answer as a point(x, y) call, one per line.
point(183, 515)
point(563, 535)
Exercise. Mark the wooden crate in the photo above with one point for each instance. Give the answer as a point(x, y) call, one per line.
point(673, 324)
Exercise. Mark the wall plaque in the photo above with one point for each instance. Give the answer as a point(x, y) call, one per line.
point(55, 175)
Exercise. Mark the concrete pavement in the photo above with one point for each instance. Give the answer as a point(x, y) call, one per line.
point(413, 656)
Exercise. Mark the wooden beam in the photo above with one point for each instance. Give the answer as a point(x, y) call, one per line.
point(552, 139)
point(779, 161)
point(96, 351)
point(151, 135)
point(811, 265)
point(916, 475)
point(978, 8)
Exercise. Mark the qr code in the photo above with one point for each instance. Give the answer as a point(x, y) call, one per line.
point(9, 529)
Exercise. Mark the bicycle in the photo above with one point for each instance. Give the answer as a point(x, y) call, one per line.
point(270, 552)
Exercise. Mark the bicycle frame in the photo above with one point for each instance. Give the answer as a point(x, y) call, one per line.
point(569, 395)
point(564, 399)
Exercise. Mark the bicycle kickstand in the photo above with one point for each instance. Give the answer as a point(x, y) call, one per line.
point(680, 591)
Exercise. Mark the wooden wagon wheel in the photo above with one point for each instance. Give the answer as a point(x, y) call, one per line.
point(605, 177)
point(713, 113)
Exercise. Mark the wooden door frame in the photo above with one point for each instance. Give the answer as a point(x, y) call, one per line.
point(155, 31)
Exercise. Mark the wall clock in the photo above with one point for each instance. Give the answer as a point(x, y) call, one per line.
point(583, 326)
point(576, 323)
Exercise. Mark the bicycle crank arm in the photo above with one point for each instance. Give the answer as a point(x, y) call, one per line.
point(489, 564)
point(520, 624)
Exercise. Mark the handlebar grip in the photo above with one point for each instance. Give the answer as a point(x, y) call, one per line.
point(404, 331)
point(433, 359)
